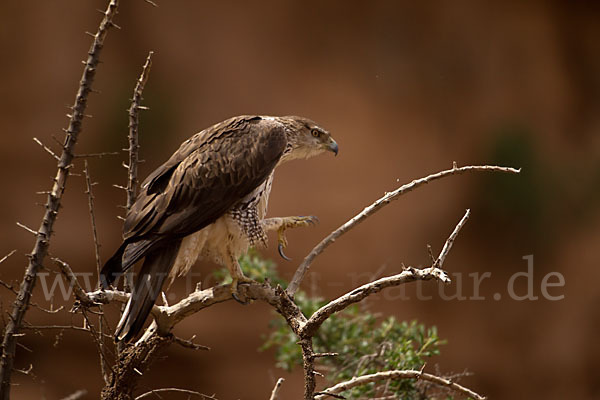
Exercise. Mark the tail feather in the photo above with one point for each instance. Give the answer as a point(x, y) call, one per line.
point(123, 259)
point(112, 268)
point(155, 269)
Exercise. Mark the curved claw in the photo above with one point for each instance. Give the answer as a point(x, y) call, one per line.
point(312, 219)
point(237, 298)
point(280, 249)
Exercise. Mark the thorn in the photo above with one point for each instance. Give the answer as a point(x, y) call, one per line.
point(121, 218)
point(90, 33)
point(8, 255)
point(28, 229)
point(421, 371)
point(57, 158)
point(153, 4)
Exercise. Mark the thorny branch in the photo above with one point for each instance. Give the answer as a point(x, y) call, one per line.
point(134, 121)
point(376, 206)
point(90, 194)
point(40, 249)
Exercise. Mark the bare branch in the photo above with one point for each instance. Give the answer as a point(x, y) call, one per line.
point(186, 391)
point(376, 206)
point(360, 293)
point(450, 241)
point(134, 121)
point(108, 296)
point(89, 184)
point(167, 317)
point(275, 392)
point(98, 155)
point(98, 340)
point(53, 203)
point(66, 270)
point(408, 275)
point(90, 194)
point(189, 344)
point(308, 366)
point(396, 375)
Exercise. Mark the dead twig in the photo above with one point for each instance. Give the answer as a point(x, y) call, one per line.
point(90, 195)
point(189, 344)
point(275, 392)
point(97, 155)
point(67, 272)
point(450, 241)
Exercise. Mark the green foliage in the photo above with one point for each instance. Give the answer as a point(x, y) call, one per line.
point(365, 346)
point(253, 266)
point(365, 343)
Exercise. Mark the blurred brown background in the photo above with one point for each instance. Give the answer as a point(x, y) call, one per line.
point(406, 88)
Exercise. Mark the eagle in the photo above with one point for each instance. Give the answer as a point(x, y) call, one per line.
point(209, 201)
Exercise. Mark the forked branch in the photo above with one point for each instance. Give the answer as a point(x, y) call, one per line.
point(376, 206)
point(360, 293)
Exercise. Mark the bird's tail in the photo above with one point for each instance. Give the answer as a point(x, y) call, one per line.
point(113, 268)
point(148, 285)
point(123, 259)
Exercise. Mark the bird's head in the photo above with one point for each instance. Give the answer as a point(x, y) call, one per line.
point(306, 139)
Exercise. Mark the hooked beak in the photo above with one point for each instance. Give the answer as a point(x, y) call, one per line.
point(333, 146)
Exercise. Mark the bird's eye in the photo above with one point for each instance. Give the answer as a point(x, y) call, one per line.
point(316, 133)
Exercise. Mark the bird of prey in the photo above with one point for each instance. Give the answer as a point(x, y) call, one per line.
point(209, 201)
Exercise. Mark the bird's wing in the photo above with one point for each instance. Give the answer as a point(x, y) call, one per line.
point(207, 175)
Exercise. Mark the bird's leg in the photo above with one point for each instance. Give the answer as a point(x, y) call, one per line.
point(281, 224)
point(237, 277)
